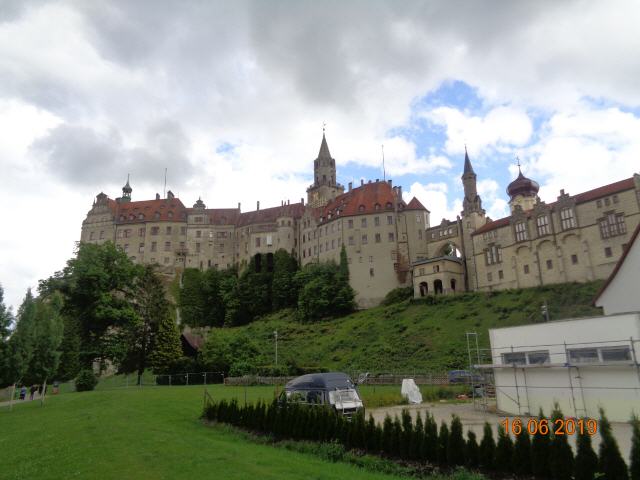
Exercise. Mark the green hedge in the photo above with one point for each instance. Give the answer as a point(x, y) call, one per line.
point(421, 441)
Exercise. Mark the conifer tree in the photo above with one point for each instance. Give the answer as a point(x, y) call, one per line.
point(504, 451)
point(522, 453)
point(487, 448)
point(456, 444)
point(540, 449)
point(443, 443)
point(371, 435)
point(167, 347)
point(560, 454)
point(69, 365)
point(634, 469)
point(430, 444)
point(344, 265)
point(610, 462)
point(418, 439)
point(407, 435)
point(397, 436)
point(387, 435)
point(472, 450)
point(586, 464)
point(6, 319)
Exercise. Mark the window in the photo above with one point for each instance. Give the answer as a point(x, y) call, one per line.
point(371, 272)
point(182, 244)
point(418, 218)
point(141, 232)
point(370, 259)
point(392, 237)
point(166, 259)
point(607, 202)
point(376, 221)
point(333, 244)
point(183, 230)
point(489, 277)
point(378, 238)
point(389, 219)
point(526, 269)
point(126, 247)
point(168, 230)
point(612, 225)
point(141, 248)
point(101, 235)
point(615, 354)
point(154, 246)
point(574, 259)
point(543, 225)
point(90, 235)
point(584, 355)
point(615, 199)
point(350, 223)
point(351, 241)
point(197, 219)
point(269, 240)
point(493, 254)
point(521, 232)
point(167, 246)
point(500, 274)
point(607, 252)
point(155, 230)
point(538, 358)
point(419, 234)
point(567, 219)
point(549, 264)
point(361, 208)
point(421, 270)
point(364, 239)
point(257, 241)
point(363, 223)
point(514, 358)
point(599, 203)
point(197, 247)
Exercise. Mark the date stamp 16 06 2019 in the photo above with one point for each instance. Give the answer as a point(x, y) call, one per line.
point(542, 426)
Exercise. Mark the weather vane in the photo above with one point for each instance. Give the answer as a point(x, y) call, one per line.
point(518, 159)
point(324, 124)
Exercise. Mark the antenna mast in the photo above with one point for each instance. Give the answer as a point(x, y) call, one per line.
point(384, 172)
point(164, 192)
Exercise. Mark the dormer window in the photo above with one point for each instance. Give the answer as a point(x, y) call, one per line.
point(122, 217)
point(170, 214)
point(156, 215)
point(361, 208)
point(388, 206)
point(141, 216)
point(131, 217)
point(377, 206)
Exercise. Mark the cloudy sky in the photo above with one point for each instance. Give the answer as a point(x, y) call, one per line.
point(230, 97)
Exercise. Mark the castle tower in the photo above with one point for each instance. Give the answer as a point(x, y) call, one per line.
point(126, 192)
point(523, 192)
point(473, 217)
point(325, 186)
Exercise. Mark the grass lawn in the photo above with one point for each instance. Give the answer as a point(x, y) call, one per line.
point(147, 433)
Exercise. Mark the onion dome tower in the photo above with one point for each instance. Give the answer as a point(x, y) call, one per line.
point(523, 191)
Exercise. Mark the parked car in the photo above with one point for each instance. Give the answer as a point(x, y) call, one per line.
point(465, 377)
point(333, 388)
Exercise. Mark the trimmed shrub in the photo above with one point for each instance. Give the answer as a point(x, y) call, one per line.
point(487, 448)
point(86, 381)
point(560, 454)
point(610, 462)
point(443, 442)
point(522, 454)
point(504, 451)
point(456, 444)
point(472, 451)
point(635, 449)
point(586, 464)
point(418, 439)
point(540, 450)
point(430, 443)
point(407, 434)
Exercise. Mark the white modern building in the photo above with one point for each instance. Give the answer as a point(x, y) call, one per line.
point(582, 364)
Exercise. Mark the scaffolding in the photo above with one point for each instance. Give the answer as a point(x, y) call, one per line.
point(565, 356)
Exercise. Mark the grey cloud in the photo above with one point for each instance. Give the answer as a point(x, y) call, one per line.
point(81, 156)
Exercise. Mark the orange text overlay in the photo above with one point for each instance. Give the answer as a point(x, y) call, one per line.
point(542, 426)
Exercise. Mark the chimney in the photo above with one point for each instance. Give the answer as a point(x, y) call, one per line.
point(281, 203)
point(390, 183)
point(288, 202)
point(350, 185)
point(170, 195)
point(399, 193)
point(302, 201)
point(377, 180)
point(258, 205)
point(157, 196)
point(238, 206)
point(562, 192)
point(361, 181)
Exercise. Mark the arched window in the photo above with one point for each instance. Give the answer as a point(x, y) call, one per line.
point(377, 206)
point(156, 215)
point(170, 214)
point(437, 287)
point(388, 206)
point(424, 289)
point(361, 208)
point(141, 216)
point(453, 284)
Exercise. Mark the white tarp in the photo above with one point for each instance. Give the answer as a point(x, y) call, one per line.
point(411, 391)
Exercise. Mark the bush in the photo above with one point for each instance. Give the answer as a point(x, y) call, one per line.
point(635, 449)
point(560, 454)
point(611, 463)
point(586, 464)
point(504, 451)
point(398, 295)
point(487, 448)
point(86, 381)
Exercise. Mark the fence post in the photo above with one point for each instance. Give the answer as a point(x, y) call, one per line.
point(205, 378)
point(13, 394)
point(169, 379)
point(187, 379)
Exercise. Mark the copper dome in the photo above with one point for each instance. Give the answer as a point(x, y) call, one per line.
point(523, 186)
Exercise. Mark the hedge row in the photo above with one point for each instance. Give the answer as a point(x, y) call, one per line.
point(540, 456)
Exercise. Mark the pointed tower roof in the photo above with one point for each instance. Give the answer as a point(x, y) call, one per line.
point(127, 188)
point(467, 163)
point(324, 148)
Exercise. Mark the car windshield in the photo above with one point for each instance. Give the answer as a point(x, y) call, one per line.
point(341, 396)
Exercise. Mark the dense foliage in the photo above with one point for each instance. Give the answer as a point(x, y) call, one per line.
point(86, 381)
point(400, 438)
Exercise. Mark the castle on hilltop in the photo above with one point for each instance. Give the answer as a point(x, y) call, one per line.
point(389, 242)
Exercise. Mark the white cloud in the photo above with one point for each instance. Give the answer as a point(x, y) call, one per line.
point(434, 197)
point(500, 127)
point(492, 198)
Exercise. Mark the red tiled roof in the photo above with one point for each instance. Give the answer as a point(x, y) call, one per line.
point(588, 196)
point(368, 198)
point(168, 209)
point(415, 204)
point(269, 215)
point(627, 249)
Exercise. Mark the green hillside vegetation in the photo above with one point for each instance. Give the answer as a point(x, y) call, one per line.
point(411, 335)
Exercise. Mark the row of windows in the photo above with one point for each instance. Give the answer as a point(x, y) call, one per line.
point(607, 201)
point(543, 224)
point(574, 355)
point(444, 232)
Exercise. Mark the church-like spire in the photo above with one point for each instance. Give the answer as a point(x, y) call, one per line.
point(467, 163)
point(126, 190)
point(324, 148)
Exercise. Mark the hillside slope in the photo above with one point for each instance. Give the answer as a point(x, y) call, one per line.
point(419, 335)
